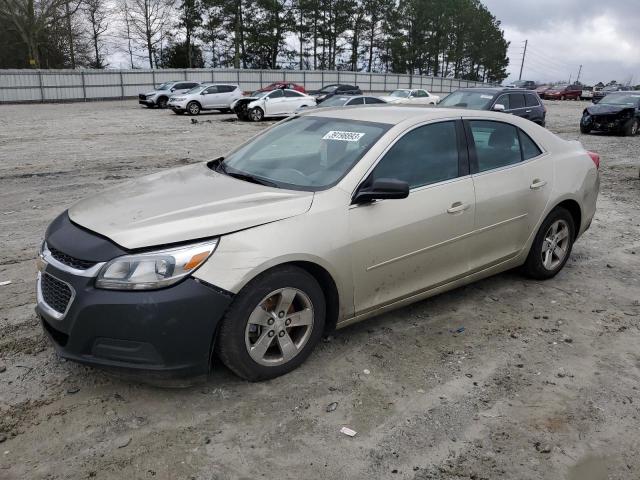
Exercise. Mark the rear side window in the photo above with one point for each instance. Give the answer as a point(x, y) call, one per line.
point(226, 88)
point(497, 144)
point(356, 101)
point(532, 100)
point(529, 148)
point(421, 93)
point(425, 155)
point(370, 100)
point(291, 93)
point(516, 100)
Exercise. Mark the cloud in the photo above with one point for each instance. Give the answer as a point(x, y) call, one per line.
point(564, 34)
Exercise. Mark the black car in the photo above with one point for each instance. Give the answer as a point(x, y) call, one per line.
point(599, 95)
point(526, 84)
point(618, 112)
point(334, 89)
point(517, 101)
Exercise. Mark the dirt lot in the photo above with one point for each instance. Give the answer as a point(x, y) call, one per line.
point(542, 384)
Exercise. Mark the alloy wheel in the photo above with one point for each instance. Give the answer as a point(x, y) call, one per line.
point(279, 327)
point(555, 245)
point(194, 109)
point(255, 114)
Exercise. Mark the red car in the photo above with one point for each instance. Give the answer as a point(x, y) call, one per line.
point(563, 92)
point(289, 85)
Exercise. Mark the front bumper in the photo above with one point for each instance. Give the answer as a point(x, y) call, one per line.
point(177, 105)
point(145, 100)
point(602, 123)
point(168, 332)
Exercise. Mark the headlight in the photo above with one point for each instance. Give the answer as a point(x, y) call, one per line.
point(151, 270)
point(177, 99)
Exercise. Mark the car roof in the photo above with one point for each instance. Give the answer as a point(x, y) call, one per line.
point(392, 114)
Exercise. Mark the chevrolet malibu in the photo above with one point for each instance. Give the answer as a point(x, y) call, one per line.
point(326, 219)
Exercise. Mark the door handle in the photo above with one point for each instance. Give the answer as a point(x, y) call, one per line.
point(537, 184)
point(528, 111)
point(457, 207)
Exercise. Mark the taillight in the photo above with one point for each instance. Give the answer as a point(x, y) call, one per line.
point(596, 158)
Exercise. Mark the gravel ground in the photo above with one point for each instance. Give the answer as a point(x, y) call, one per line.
point(542, 384)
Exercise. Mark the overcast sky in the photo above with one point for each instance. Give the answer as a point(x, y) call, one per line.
point(602, 35)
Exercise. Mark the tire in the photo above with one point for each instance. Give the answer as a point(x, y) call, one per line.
point(238, 337)
point(193, 108)
point(162, 102)
point(562, 97)
point(585, 130)
point(535, 265)
point(256, 114)
point(631, 128)
point(149, 105)
point(178, 112)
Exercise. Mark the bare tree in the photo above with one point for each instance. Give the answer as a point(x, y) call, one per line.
point(98, 14)
point(147, 20)
point(126, 17)
point(32, 17)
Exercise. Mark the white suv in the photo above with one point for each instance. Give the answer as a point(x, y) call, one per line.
point(160, 95)
point(205, 97)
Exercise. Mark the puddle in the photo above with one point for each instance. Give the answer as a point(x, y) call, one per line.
point(589, 468)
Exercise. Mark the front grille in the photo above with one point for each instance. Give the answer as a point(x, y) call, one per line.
point(142, 97)
point(55, 293)
point(70, 261)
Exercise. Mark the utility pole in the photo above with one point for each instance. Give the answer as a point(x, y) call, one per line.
point(579, 71)
point(524, 53)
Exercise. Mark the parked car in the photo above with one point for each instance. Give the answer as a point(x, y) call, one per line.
point(160, 96)
point(274, 103)
point(587, 93)
point(618, 112)
point(599, 95)
point(417, 96)
point(563, 92)
point(349, 100)
point(334, 89)
point(523, 103)
point(526, 84)
point(328, 218)
point(205, 97)
point(541, 89)
point(289, 85)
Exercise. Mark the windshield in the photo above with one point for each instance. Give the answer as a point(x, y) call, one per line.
point(611, 88)
point(261, 94)
point(305, 153)
point(335, 101)
point(400, 93)
point(630, 99)
point(519, 83)
point(329, 88)
point(165, 86)
point(467, 99)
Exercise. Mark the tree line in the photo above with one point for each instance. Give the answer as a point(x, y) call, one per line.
point(458, 38)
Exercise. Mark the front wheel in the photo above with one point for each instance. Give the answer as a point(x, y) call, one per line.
point(193, 108)
point(631, 128)
point(562, 97)
point(256, 114)
point(552, 246)
point(162, 102)
point(584, 129)
point(272, 325)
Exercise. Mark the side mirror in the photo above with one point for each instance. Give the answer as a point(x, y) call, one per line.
point(382, 189)
point(266, 99)
point(204, 92)
point(173, 90)
point(498, 107)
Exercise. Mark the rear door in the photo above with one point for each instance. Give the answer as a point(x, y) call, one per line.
point(293, 100)
point(533, 108)
point(403, 247)
point(513, 180)
point(517, 105)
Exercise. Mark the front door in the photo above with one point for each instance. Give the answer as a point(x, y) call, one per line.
point(274, 104)
point(513, 180)
point(210, 97)
point(404, 247)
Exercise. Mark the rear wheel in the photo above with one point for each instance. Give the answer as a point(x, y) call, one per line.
point(193, 108)
point(562, 97)
point(272, 325)
point(256, 114)
point(552, 246)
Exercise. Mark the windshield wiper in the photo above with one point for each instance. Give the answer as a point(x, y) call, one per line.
point(221, 168)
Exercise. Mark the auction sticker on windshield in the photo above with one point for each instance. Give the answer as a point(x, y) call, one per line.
point(343, 136)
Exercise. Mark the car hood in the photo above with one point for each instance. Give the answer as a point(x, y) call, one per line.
point(182, 204)
point(604, 109)
point(390, 99)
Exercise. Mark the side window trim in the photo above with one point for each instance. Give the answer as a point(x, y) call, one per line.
point(520, 134)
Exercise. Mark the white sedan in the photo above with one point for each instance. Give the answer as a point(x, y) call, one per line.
point(417, 96)
point(281, 102)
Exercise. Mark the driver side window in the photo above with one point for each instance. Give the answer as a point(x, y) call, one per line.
point(276, 94)
point(210, 90)
point(425, 155)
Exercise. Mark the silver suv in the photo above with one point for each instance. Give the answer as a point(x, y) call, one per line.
point(206, 96)
point(160, 96)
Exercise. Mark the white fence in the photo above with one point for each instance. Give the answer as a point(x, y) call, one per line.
point(64, 85)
